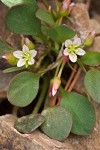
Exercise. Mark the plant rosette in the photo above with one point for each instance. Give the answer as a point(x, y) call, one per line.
point(52, 57)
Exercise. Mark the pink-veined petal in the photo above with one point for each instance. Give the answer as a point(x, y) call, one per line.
point(21, 62)
point(67, 42)
point(31, 62)
point(72, 4)
point(25, 49)
point(93, 33)
point(33, 52)
point(54, 92)
point(18, 54)
point(65, 52)
point(77, 41)
point(73, 57)
point(80, 52)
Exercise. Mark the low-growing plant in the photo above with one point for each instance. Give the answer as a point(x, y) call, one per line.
point(52, 57)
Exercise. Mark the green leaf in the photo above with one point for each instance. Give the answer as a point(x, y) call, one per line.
point(11, 3)
point(13, 69)
point(92, 84)
point(23, 89)
point(21, 19)
point(5, 48)
point(61, 33)
point(28, 124)
point(45, 17)
point(82, 111)
point(58, 122)
point(91, 58)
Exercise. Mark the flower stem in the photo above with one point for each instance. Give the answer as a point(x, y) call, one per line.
point(57, 70)
point(81, 65)
point(57, 5)
point(46, 103)
point(59, 21)
point(15, 110)
point(61, 69)
point(42, 96)
point(45, 3)
point(53, 99)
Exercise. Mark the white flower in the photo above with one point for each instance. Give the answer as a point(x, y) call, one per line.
point(73, 48)
point(26, 56)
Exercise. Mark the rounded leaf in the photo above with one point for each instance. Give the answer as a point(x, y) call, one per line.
point(21, 19)
point(92, 84)
point(11, 3)
point(23, 89)
point(82, 112)
point(58, 123)
point(61, 33)
point(91, 58)
point(45, 17)
point(29, 123)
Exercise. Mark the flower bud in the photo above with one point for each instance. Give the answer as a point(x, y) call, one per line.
point(66, 7)
point(89, 39)
point(10, 58)
point(28, 43)
point(54, 85)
